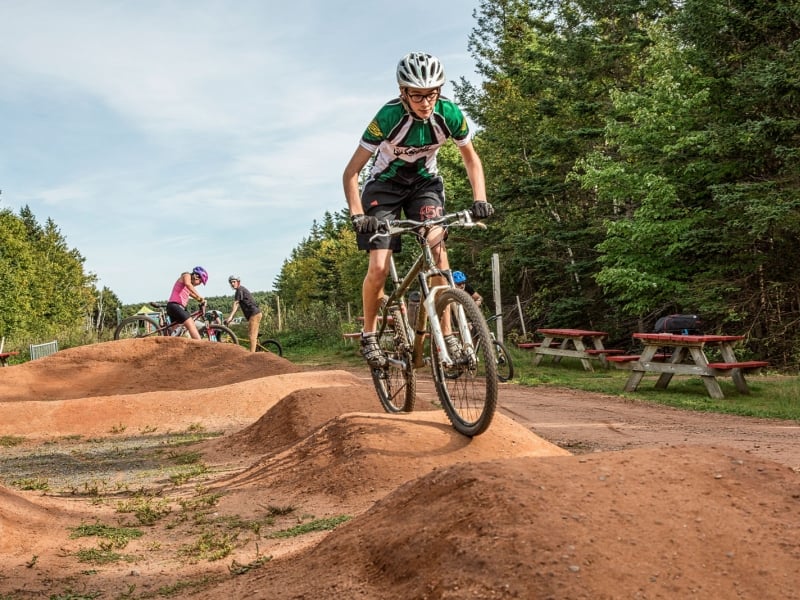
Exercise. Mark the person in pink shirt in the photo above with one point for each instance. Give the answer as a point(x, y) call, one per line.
point(183, 289)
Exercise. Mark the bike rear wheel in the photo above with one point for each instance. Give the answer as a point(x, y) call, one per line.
point(136, 326)
point(396, 383)
point(220, 334)
point(269, 345)
point(505, 367)
point(468, 389)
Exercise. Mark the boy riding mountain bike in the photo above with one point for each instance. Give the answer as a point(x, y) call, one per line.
point(406, 134)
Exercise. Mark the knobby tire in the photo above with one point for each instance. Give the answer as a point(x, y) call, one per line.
point(505, 366)
point(220, 334)
point(396, 386)
point(467, 390)
point(270, 345)
point(136, 326)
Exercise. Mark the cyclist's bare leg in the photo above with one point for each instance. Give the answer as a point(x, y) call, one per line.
point(191, 328)
point(373, 286)
point(252, 326)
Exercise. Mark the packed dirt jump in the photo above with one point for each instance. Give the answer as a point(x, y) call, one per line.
point(415, 510)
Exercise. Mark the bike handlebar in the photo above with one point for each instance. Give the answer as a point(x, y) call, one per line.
point(461, 218)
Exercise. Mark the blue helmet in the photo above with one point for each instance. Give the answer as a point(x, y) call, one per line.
point(459, 277)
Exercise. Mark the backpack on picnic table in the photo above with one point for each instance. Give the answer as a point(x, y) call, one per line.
point(680, 324)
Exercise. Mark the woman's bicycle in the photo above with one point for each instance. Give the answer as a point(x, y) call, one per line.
point(411, 336)
point(505, 366)
point(209, 325)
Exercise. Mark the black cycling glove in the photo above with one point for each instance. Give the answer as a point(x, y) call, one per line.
point(481, 210)
point(364, 223)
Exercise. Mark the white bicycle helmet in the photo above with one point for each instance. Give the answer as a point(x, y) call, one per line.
point(420, 70)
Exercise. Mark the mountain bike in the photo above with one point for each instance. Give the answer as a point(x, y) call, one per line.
point(466, 384)
point(505, 366)
point(209, 325)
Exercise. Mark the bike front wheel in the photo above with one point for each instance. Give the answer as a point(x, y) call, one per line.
point(220, 334)
point(396, 383)
point(269, 345)
point(136, 326)
point(505, 367)
point(468, 388)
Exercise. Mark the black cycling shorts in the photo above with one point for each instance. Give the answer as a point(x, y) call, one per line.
point(385, 199)
point(177, 312)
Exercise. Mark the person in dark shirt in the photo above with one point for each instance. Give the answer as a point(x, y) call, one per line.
point(244, 299)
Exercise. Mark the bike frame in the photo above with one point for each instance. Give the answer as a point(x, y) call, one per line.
point(421, 271)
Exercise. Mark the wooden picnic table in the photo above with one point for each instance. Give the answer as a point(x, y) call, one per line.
point(688, 357)
point(573, 343)
point(4, 356)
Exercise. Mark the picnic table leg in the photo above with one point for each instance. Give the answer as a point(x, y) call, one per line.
point(677, 357)
point(726, 350)
point(598, 345)
point(710, 381)
point(538, 356)
point(635, 378)
point(563, 345)
point(587, 365)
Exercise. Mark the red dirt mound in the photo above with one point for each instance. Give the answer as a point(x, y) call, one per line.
point(136, 366)
point(677, 523)
point(434, 514)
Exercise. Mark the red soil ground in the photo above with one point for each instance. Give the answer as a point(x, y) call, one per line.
point(434, 515)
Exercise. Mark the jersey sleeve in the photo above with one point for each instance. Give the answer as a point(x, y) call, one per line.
point(457, 124)
point(379, 128)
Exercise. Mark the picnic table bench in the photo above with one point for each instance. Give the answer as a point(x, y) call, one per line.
point(688, 357)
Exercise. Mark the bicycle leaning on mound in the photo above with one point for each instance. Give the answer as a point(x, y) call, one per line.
point(411, 336)
point(209, 325)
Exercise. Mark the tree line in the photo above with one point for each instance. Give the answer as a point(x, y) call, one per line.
point(642, 156)
point(643, 159)
point(44, 291)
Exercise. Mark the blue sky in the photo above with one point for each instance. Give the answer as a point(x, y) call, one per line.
point(159, 135)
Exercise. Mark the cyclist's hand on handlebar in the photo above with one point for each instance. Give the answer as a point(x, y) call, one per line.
point(481, 209)
point(364, 223)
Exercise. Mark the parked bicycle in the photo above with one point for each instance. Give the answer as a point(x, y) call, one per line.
point(209, 325)
point(505, 366)
point(266, 344)
point(466, 384)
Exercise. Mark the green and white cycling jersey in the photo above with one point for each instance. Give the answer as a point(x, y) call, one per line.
point(406, 145)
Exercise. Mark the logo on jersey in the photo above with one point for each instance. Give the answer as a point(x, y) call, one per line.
point(375, 129)
point(411, 151)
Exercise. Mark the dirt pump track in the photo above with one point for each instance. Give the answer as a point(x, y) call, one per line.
point(568, 495)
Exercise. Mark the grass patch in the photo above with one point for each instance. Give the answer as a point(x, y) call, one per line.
point(102, 556)
point(315, 525)
point(210, 546)
point(7, 441)
point(147, 510)
point(771, 396)
point(31, 483)
point(118, 536)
